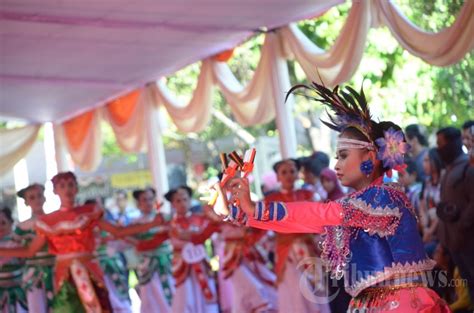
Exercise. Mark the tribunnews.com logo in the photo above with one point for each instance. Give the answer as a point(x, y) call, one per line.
point(314, 281)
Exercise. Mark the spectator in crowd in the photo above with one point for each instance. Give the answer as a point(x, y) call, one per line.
point(456, 209)
point(331, 184)
point(269, 183)
point(430, 198)
point(468, 139)
point(418, 147)
point(409, 180)
point(121, 214)
point(468, 134)
point(311, 168)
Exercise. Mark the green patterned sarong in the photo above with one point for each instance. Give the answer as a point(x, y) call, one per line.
point(156, 261)
point(39, 268)
point(11, 291)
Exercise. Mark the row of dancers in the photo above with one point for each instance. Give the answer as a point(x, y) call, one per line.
point(71, 259)
point(370, 237)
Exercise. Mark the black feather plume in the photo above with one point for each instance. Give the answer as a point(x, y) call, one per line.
point(349, 107)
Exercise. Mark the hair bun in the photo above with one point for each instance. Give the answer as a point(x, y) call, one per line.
point(136, 193)
point(385, 125)
point(379, 128)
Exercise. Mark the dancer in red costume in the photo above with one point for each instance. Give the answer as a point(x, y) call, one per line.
point(293, 249)
point(195, 288)
point(69, 232)
point(253, 283)
point(155, 279)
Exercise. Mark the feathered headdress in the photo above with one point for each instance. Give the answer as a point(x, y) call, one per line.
point(350, 109)
point(349, 106)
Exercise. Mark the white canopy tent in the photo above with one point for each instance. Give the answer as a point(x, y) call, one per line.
point(63, 61)
point(62, 58)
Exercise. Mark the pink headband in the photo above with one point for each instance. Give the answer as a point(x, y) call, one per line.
point(346, 143)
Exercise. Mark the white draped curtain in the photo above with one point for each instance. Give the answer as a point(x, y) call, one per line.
point(255, 103)
point(443, 48)
point(16, 143)
point(339, 63)
point(194, 116)
point(258, 101)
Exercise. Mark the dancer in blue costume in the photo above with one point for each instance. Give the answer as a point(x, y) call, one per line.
point(371, 235)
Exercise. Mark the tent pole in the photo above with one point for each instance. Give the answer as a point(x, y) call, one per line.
point(60, 153)
point(284, 113)
point(156, 153)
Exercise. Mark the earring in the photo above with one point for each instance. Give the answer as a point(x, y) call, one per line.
point(367, 167)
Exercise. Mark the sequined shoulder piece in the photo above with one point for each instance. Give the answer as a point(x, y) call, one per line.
point(375, 211)
point(395, 186)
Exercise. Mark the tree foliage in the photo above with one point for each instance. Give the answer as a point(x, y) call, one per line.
point(399, 86)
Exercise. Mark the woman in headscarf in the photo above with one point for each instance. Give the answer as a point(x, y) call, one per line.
point(331, 184)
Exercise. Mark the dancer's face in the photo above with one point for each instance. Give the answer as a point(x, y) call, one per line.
point(181, 201)
point(348, 167)
point(66, 189)
point(146, 202)
point(34, 198)
point(287, 174)
point(5, 225)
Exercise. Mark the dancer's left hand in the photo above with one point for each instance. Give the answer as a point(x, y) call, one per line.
point(240, 191)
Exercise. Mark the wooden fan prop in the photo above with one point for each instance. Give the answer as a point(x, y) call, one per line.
point(237, 166)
